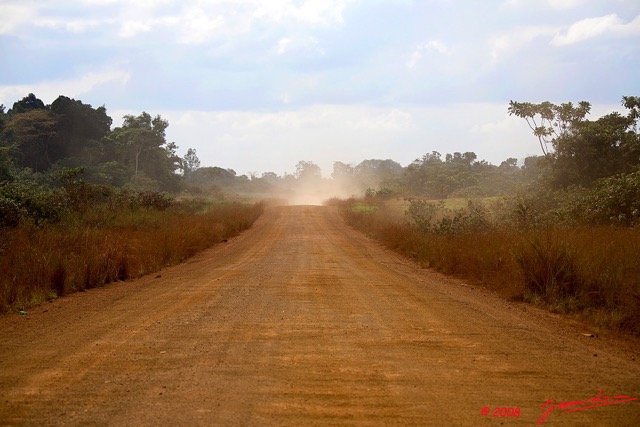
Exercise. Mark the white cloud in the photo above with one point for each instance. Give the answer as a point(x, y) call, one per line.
point(506, 124)
point(565, 4)
point(593, 27)
point(554, 4)
point(285, 98)
point(300, 43)
point(48, 91)
point(197, 21)
point(394, 120)
point(133, 28)
point(14, 14)
point(312, 12)
point(197, 27)
point(283, 45)
point(200, 22)
point(505, 44)
point(80, 26)
point(431, 46)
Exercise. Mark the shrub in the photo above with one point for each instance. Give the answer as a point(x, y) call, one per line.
point(615, 200)
point(548, 267)
point(592, 272)
point(31, 201)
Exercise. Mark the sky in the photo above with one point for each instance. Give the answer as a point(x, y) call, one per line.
point(258, 85)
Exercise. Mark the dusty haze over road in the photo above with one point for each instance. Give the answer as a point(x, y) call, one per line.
point(303, 321)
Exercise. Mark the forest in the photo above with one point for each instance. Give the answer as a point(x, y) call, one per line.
point(43, 146)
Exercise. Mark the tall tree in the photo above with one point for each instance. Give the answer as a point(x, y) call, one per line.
point(140, 145)
point(584, 150)
point(308, 171)
point(3, 117)
point(139, 135)
point(81, 127)
point(32, 138)
point(549, 121)
point(596, 149)
point(190, 162)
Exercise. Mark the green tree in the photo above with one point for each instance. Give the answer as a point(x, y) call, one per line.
point(3, 117)
point(549, 121)
point(81, 128)
point(584, 150)
point(596, 149)
point(6, 166)
point(139, 135)
point(213, 175)
point(32, 138)
point(141, 147)
point(190, 162)
point(28, 103)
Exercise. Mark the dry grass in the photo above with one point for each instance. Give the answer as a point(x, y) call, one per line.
point(590, 272)
point(102, 246)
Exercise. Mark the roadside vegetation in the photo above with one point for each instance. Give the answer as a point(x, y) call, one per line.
point(60, 241)
point(567, 238)
point(83, 205)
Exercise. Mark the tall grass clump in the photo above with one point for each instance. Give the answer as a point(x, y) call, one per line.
point(523, 252)
point(103, 235)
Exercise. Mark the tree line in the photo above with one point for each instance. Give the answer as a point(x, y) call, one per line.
point(71, 134)
point(68, 135)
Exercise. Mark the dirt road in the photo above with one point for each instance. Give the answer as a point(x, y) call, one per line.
point(302, 321)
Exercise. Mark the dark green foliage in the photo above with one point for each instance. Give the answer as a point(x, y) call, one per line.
point(10, 212)
point(6, 165)
point(28, 103)
point(80, 128)
point(615, 200)
point(32, 139)
point(71, 134)
point(597, 149)
point(151, 200)
point(29, 200)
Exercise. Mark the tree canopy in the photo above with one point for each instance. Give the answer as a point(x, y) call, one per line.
point(581, 151)
point(69, 133)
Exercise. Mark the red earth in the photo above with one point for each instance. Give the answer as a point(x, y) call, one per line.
point(303, 321)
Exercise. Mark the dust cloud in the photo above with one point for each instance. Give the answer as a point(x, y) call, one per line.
point(316, 193)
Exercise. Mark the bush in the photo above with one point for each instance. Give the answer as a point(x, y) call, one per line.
point(615, 200)
point(423, 213)
point(433, 217)
point(10, 212)
point(548, 267)
point(31, 201)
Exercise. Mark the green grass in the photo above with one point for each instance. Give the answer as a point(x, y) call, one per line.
point(364, 208)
